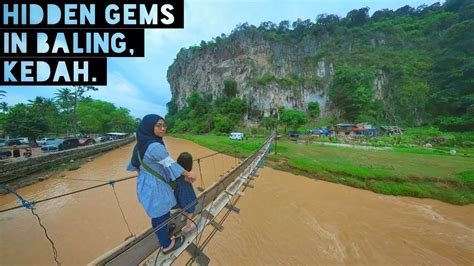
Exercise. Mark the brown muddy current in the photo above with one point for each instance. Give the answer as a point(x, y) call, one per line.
point(285, 219)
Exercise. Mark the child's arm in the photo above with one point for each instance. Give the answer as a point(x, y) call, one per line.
point(189, 176)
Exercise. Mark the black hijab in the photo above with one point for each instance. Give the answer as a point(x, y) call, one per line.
point(145, 137)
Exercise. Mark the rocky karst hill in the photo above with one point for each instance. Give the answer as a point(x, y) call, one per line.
point(406, 66)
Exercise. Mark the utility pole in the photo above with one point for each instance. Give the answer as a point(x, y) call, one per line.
point(276, 137)
point(276, 131)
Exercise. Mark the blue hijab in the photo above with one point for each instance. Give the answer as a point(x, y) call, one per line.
point(145, 137)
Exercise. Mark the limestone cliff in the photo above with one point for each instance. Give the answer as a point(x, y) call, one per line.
point(269, 73)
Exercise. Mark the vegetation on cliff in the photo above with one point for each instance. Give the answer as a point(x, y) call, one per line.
point(204, 115)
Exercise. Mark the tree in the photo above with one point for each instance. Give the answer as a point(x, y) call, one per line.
point(382, 14)
point(268, 25)
point(301, 24)
point(25, 120)
point(95, 115)
point(405, 11)
point(293, 118)
point(64, 99)
point(453, 73)
point(100, 116)
point(351, 91)
point(240, 27)
point(4, 107)
point(223, 124)
point(236, 109)
point(68, 99)
point(122, 121)
point(328, 22)
point(198, 105)
point(269, 122)
point(230, 88)
point(313, 109)
point(284, 26)
point(357, 17)
point(172, 107)
point(50, 111)
point(3, 94)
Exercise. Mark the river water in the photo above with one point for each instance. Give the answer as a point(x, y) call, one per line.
point(285, 219)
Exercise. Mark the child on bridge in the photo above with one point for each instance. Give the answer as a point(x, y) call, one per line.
point(184, 192)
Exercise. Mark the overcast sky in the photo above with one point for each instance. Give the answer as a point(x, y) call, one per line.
point(140, 84)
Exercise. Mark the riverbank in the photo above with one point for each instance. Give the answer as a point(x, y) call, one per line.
point(284, 219)
point(25, 171)
point(401, 172)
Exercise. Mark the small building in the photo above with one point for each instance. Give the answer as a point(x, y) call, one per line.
point(364, 130)
point(293, 135)
point(343, 129)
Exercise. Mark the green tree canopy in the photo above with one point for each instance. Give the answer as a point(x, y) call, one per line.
point(293, 118)
point(269, 122)
point(352, 91)
point(100, 116)
point(25, 120)
point(313, 109)
point(230, 88)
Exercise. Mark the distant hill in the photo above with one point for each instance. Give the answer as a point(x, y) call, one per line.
point(411, 66)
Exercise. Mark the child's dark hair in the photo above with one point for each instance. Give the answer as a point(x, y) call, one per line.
point(186, 161)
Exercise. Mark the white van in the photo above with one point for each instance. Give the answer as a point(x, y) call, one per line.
point(236, 136)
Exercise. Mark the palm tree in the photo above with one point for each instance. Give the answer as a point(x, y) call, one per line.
point(64, 98)
point(68, 100)
point(3, 94)
point(42, 103)
point(4, 107)
point(37, 101)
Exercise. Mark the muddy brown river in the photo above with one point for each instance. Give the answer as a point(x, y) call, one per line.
point(285, 219)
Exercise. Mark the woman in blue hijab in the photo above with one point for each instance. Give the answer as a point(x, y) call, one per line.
point(156, 172)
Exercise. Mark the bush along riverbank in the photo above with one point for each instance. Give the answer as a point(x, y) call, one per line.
point(401, 172)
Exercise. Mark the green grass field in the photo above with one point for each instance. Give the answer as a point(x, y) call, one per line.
point(224, 144)
point(407, 172)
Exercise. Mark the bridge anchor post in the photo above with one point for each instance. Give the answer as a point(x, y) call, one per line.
point(199, 257)
point(232, 208)
point(248, 185)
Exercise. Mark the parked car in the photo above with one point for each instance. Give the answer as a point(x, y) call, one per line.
point(52, 145)
point(69, 143)
point(86, 141)
point(103, 139)
point(61, 144)
point(43, 141)
point(12, 142)
point(236, 136)
point(23, 140)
